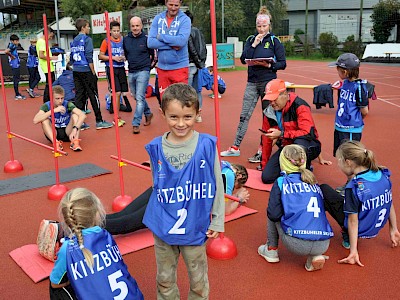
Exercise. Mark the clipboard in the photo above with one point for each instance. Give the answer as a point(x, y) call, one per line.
point(254, 61)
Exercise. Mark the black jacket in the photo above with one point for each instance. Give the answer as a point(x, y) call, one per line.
point(197, 48)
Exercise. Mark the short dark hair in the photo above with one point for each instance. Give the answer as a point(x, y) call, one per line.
point(50, 30)
point(14, 37)
point(114, 24)
point(190, 15)
point(80, 23)
point(181, 92)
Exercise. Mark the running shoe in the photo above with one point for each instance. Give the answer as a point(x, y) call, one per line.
point(75, 145)
point(232, 151)
point(315, 263)
point(270, 256)
point(30, 92)
point(256, 158)
point(20, 97)
point(85, 126)
point(103, 125)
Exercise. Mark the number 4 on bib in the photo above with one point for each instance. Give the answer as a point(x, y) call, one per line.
point(313, 207)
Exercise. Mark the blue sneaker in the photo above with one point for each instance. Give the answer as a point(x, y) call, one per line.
point(103, 125)
point(84, 126)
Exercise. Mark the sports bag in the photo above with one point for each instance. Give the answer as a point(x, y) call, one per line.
point(48, 239)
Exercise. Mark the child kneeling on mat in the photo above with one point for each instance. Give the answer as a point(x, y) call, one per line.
point(89, 263)
point(67, 117)
point(296, 212)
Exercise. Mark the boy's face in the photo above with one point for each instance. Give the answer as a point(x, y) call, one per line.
point(15, 42)
point(58, 99)
point(342, 73)
point(86, 29)
point(115, 32)
point(180, 121)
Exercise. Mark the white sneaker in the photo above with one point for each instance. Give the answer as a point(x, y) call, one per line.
point(231, 152)
point(270, 256)
point(315, 263)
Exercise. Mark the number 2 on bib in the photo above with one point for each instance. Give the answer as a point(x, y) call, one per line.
point(182, 214)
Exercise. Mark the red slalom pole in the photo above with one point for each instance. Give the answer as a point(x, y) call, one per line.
point(222, 247)
point(57, 191)
point(121, 201)
point(215, 72)
point(11, 166)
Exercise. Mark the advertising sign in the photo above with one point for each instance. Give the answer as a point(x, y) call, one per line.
point(98, 24)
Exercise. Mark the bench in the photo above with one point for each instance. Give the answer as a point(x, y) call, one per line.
point(389, 54)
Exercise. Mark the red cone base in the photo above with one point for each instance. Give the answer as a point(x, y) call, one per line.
point(13, 166)
point(221, 248)
point(120, 202)
point(56, 192)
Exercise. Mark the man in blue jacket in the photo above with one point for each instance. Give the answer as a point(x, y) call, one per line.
point(169, 33)
point(140, 60)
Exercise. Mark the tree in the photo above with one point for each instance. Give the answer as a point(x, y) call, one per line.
point(384, 17)
point(278, 11)
point(79, 8)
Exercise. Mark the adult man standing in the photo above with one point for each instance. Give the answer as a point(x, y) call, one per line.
point(169, 33)
point(197, 58)
point(287, 120)
point(42, 53)
point(140, 60)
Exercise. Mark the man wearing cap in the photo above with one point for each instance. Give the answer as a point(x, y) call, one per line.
point(287, 120)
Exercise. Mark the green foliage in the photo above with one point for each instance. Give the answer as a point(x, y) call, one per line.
point(384, 17)
point(79, 8)
point(296, 35)
point(353, 46)
point(328, 43)
point(289, 48)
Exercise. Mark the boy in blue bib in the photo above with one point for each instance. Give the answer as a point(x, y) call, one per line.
point(187, 202)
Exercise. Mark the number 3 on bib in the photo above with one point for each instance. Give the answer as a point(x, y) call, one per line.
point(313, 207)
point(182, 214)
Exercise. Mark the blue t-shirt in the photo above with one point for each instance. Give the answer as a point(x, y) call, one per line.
point(33, 60)
point(108, 279)
point(82, 53)
point(228, 177)
point(369, 194)
point(304, 213)
point(117, 50)
point(60, 120)
point(179, 209)
point(14, 62)
point(353, 95)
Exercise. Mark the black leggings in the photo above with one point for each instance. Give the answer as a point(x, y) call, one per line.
point(130, 218)
point(333, 203)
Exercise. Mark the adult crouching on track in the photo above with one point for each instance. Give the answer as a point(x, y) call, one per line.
point(287, 120)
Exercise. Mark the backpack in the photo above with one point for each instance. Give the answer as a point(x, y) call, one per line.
point(200, 44)
point(48, 239)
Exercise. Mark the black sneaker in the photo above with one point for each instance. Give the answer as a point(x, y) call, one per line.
point(256, 158)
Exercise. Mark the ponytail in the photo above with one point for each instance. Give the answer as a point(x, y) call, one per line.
point(356, 152)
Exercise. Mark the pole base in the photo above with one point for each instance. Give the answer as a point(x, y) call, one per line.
point(221, 248)
point(120, 202)
point(13, 166)
point(56, 192)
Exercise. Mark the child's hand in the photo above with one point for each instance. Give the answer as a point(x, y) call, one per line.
point(324, 162)
point(243, 195)
point(212, 234)
point(395, 238)
point(352, 259)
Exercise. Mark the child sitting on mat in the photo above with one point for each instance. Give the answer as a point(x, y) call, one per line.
point(296, 212)
point(67, 117)
point(89, 264)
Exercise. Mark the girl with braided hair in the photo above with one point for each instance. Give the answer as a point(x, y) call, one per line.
point(367, 203)
point(89, 264)
point(296, 212)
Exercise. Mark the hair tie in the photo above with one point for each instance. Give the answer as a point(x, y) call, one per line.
point(82, 246)
point(293, 161)
point(302, 161)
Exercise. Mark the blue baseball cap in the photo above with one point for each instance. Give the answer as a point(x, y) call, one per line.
point(346, 61)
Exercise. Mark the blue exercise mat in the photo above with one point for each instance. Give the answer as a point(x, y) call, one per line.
point(30, 182)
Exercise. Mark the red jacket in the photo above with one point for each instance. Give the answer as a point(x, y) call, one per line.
point(297, 122)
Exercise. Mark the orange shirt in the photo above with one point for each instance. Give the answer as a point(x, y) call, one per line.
point(103, 47)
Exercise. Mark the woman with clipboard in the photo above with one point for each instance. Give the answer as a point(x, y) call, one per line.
point(264, 54)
